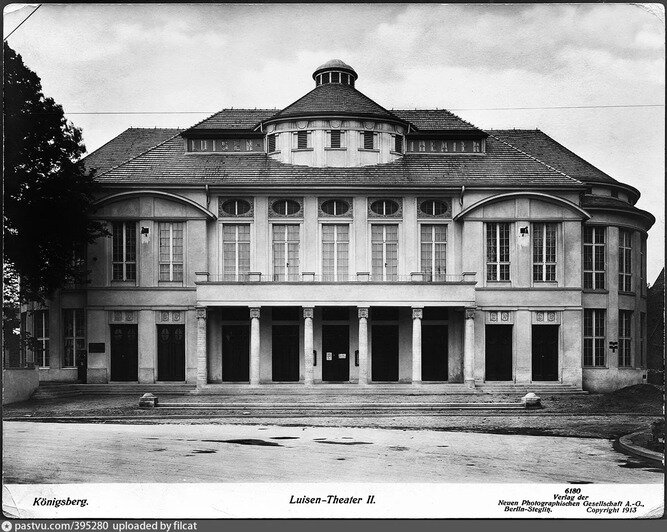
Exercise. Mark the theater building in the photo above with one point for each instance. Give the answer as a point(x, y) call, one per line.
point(338, 243)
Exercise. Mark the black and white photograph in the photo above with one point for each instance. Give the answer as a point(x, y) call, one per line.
point(324, 261)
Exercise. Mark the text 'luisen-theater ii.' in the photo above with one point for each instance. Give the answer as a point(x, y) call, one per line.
point(335, 241)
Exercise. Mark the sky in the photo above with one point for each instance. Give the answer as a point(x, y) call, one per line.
point(469, 58)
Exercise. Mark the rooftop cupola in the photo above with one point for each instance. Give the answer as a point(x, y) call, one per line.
point(335, 71)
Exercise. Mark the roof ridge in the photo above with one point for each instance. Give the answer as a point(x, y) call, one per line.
point(532, 157)
point(142, 153)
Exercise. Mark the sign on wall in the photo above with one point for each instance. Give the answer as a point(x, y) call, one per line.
point(444, 146)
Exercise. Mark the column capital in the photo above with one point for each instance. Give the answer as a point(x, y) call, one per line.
point(470, 313)
point(308, 312)
point(362, 312)
point(254, 312)
point(417, 313)
point(200, 313)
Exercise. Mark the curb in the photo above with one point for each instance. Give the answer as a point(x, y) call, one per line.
point(626, 444)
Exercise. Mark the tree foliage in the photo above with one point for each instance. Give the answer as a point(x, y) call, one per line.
point(48, 195)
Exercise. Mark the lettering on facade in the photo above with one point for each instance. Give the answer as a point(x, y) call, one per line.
point(444, 146)
point(226, 145)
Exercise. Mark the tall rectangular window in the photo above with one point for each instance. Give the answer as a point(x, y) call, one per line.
point(544, 252)
point(335, 251)
point(498, 251)
point(74, 335)
point(235, 251)
point(24, 357)
point(594, 337)
point(625, 260)
point(384, 252)
point(642, 339)
point(434, 251)
point(594, 258)
point(41, 337)
point(624, 338)
point(368, 140)
point(124, 255)
point(171, 251)
point(285, 252)
point(642, 265)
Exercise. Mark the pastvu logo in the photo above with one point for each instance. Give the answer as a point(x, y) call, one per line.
point(6, 526)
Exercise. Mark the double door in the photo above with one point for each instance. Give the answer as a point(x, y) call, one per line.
point(171, 353)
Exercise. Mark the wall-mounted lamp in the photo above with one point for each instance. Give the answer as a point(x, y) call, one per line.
point(524, 230)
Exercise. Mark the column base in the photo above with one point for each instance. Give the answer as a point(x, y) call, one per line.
point(470, 383)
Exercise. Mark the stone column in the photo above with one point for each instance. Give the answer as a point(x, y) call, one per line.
point(469, 348)
point(417, 314)
point(308, 345)
point(202, 361)
point(363, 345)
point(254, 346)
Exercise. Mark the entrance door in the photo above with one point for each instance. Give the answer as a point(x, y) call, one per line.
point(434, 353)
point(171, 352)
point(236, 353)
point(285, 356)
point(545, 352)
point(384, 356)
point(498, 353)
point(124, 353)
point(335, 352)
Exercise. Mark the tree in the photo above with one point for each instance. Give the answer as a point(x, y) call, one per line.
point(48, 195)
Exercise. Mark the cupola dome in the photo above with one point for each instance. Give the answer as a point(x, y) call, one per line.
point(335, 71)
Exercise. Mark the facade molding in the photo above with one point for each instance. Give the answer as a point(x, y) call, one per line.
point(512, 195)
point(159, 193)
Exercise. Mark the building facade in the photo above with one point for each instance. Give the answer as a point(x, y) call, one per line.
point(335, 241)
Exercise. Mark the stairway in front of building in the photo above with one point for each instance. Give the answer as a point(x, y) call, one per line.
point(299, 392)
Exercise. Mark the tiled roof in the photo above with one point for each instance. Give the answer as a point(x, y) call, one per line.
point(335, 99)
point(591, 201)
point(128, 144)
point(234, 119)
point(502, 166)
point(542, 146)
point(434, 119)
